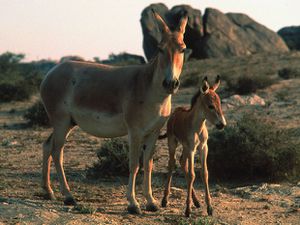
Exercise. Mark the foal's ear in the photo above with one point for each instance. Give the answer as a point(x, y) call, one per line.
point(163, 27)
point(204, 86)
point(183, 22)
point(217, 83)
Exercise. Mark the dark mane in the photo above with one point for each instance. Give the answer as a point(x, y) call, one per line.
point(194, 98)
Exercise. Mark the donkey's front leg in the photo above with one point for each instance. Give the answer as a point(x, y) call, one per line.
point(135, 141)
point(205, 178)
point(149, 147)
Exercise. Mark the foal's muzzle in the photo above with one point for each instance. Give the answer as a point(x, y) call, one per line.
point(220, 126)
point(171, 86)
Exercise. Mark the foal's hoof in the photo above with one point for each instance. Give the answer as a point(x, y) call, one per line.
point(187, 212)
point(209, 210)
point(152, 207)
point(164, 202)
point(49, 196)
point(70, 201)
point(134, 209)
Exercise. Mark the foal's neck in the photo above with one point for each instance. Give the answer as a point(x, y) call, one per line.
point(196, 116)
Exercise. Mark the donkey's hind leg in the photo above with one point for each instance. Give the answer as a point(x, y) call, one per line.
point(47, 158)
point(172, 144)
point(60, 132)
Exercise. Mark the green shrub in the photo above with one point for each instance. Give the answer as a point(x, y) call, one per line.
point(17, 91)
point(249, 84)
point(112, 159)
point(122, 59)
point(253, 148)
point(18, 81)
point(36, 115)
point(288, 73)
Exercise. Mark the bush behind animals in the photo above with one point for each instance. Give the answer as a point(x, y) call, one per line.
point(112, 159)
point(18, 81)
point(253, 148)
point(36, 115)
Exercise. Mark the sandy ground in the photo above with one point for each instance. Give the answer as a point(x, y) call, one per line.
point(104, 200)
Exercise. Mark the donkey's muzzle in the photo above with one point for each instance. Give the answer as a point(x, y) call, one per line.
point(171, 86)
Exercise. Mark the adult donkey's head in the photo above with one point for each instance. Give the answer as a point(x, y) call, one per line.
point(170, 56)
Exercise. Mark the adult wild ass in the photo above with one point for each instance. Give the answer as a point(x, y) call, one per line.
point(107, 101)
point(187, 126)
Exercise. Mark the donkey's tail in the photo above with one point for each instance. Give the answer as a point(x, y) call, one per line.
point(163, 136)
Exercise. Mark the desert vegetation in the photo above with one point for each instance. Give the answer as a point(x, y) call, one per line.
point(112, 159)
point(18, 81)
point(36, 115)
point(254, 148)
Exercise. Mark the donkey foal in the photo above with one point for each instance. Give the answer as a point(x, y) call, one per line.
point(187, 126)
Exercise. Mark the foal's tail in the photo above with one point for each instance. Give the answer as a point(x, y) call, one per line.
point(163, 136)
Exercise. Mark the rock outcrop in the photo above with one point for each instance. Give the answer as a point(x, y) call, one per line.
point(236, 34)
point(291, 36)
point(215, 35)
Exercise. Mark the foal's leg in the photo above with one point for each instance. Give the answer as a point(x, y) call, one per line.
point(184, 167)
point(190, 181)
point(172, 144)
point(134, 153)
point(149, 148)
point(47, 158)
point(204, 153)
point(60, 133)
point(195, 198)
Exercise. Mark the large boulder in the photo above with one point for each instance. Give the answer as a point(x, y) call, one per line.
point(152, 34)
point(291, 36)
point(215, 35)
point(236, 34)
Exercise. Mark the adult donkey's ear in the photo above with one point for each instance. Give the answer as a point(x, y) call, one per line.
point(217, 83)
point(204, 86)
point(183, 22)
point(163, 27)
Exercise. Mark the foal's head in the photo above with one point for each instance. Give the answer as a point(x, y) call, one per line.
point(211, 103)
point(170, 54)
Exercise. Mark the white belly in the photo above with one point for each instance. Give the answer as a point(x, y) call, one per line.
point(101, 124)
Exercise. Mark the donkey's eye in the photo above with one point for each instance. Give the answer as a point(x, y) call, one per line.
point(211, 107)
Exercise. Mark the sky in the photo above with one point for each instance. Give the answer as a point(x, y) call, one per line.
point(50, 29)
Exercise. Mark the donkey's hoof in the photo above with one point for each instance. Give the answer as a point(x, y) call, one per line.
point(152, 207)
point(164, 203)
point(187, 212)
point(209, 210)
point(49, 196)
point(70, 201)
point(134, 209)
point(197, 204)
